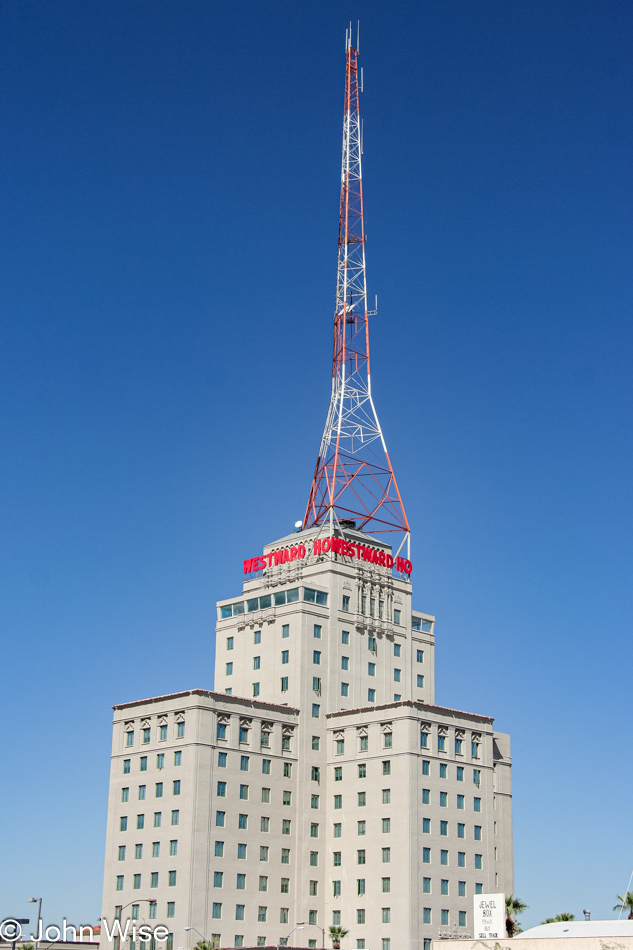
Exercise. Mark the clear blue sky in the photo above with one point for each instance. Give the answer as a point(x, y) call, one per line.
point(169, 216)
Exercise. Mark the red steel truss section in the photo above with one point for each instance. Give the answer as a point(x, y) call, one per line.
point(353, 478)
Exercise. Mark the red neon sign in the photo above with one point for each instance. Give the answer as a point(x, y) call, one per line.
point(324, 546)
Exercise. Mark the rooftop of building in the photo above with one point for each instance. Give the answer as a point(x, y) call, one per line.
point(302, 534)
point(210, 694)
point(581, 928)
point(414, 704)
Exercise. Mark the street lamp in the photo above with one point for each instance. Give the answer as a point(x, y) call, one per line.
point(197, 931)
point(38, 901)
point(299, 926)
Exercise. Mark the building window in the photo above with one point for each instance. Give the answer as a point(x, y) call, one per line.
point(426, 885)
point(285, 631)
point(312, 917)
point(159, 790)
point(263, 882)
point(338, 829)
point(371, 644)
point(257, 637)
point(315, 710)
point(444, 857)
point(264, 823)
point(263, 852)
point(460, 830)
point(386, 855)
point(136, 885)
point(286, 797)
point(219, 819)
point(261, 914)
point(426, 855)
point(360, 857)
point(420, 681)
point(285, 856)
point(316, 657)
point(162, 733)
point(244, 763)
point(285, 656)
point(386, 915)
point(462, 918)
point(140, 822)
point(345, 663)
point(241, 852)
point(315, 596)
point(362, 799)
point(345, 637)
point(461, 859)
point(441, 743)
point(386, 825)
point(314, 830)
point(386, 885)
point(171, 908)
point(239, 911)
point(265, 795)
point(129, 738)
point(477, 776)
point(479, 888)
point(396, 676)
point(426, 915)
point(285, 826)
point(171, 878)
point(477, 832)
point(221, 731)
point(444, 887)
point(266, 766)
point(426, 826)
point(138, 851)
point(476, 804)
point(460, 773)
point(474, 750)
point(229, 669)
point(458, 746)
point(443, 799)
point(346, 602)
point(119, 882)
point(386, 943)
point(244, 792)
point(360, 886)
point(460, 802)
point(388, 740)
point(242, 822)
point(283, 919)
point(371, 695)
point(317, 632)
point(255, 689)
point(338, 801)
point(217, 878)
point(386, 768)
point(125, 794)
point(360, 916)
point(361, 827)
point(316, 684)
point(426, 767)
point(123, 824)
point(143, 788)
point(143, 763)
point(444, 916)
point(287, 765)
point(461, 888)
point(443, 768)
point(424, 740)
point(221, 790)
point(396, 615)
point(344, 689)
point(426, 796)
point(314, 888)
point(175, 816)
point(284, 684)
point(229, 643)
point(219, 849)
point(371, 669)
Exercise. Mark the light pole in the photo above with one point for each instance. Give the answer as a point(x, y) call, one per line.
point(299, 926)
point(198, 932)
point(38, 901)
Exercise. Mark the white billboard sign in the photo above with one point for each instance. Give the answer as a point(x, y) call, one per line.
point(489, 917)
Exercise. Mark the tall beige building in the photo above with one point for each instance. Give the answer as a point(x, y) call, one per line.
point(319, 784)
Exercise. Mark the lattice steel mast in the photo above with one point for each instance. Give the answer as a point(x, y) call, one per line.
point(353, 478)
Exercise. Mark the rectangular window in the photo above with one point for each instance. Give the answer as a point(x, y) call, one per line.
point(263, 852)
point(129, 738)
point(360, 857)
point(314, 801)
point(229, 643)
point(143, 788)
point(314, 888)
point(217, 911)
point(426, 826)
point(460, 830)
point(424, 740)
point(317, 632)
point(143, 763)
point(257, 637)
point(476, 804)
point(441, 743)
point(315, 710)
point(461, 859)
point(221, 731)
point(316, 684)
point(386, 768)
point(360, 886)
point(443, 768)
point(159, 790)
point(386, 885)
point(263, 882)
point(316, 657)
point(244, 792)
point(396, 616)
point(229, 669)
point(315, 596)
point(171, 908)
point(239, 911)
point(264, 823)
point(371, 644)
point(371, 695)
point(285, 631)
point(371, 669)
point(261, 914)
point(426, 885)
point(242, 822)
point(255, 689)
point(285, 884)
point(244, 759)
point(345, 663)
point(287, 765)
point(285, 656)
point(426, 855)
point(362, 770)
point(388, 740)
point(344, 689)
point(221, 790)
point(338, 801)
point(362, 799)
point(345, 602)
point(477, 776)
point(444, 857)
point(338, 827)
point(217, 878)
point(443, 799)
point(479, 888)
point(121, 852)
point(477, 832)
point(264, 739)
point(426, 796)
point(474, 750)
point(460, 773)
point(396, 676)
point(360, 916)
point(171, 878)
point(386, 825)
point(119, 882)
point(175, 816)
point(460, 802)
point(461, 888)
point(386, 855)
point(140, 821)
point(177, 787)
point(426, 915)
point(219, 819)
point(123, 824)
point(219, 849)
point(284, 684)
point(345, 638)
point(444, 916)
point(285, 826)
point(426, 767)
point(138, 851)
point(420, 681)
point(265, 795)
point(241, 852)
point(136, 885)
point(125, 794)
point(241, 882)
point(462, 918)
point(314, 830)
point(444, 887)
point(361, 827)
point(286, 798)
point(162, 733)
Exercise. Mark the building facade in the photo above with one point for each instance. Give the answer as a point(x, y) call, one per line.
point(319, 784)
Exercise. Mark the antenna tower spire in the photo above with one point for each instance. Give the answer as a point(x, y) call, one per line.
point(353, 478)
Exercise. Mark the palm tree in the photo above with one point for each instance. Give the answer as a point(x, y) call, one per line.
point(626, 903)
point(559, 917)
point(514, 906)
point(336, 935)
point(205, 945)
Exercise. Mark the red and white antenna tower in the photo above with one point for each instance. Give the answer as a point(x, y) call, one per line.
point(353, 479)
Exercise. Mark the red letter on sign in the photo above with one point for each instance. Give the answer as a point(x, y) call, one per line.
point(408, 567)
point(248, 565)
point(293, 553)
point(301, 550)
point(316, 547)
point(381, 558)
point(389, 560)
